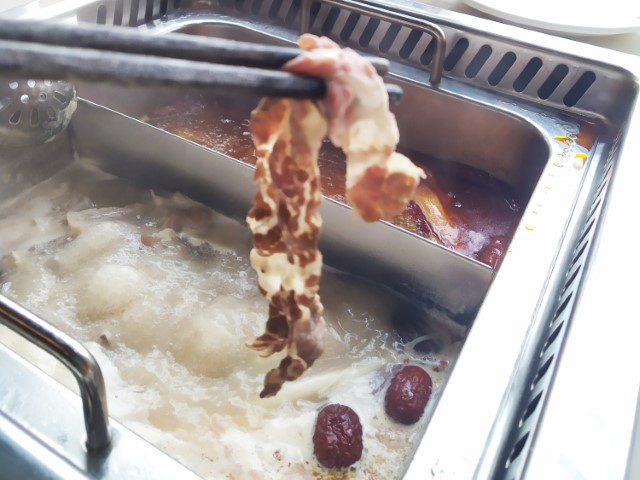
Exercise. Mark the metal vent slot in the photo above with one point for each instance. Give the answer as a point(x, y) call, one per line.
point(240, 5)
point(517, 449)
point(313, 13)
point(427, 55)
point(603, 184)
point(118, 13)
point(456, 54)
point(527, 74)
point(256, 5)
point(542, 371)
point(478, 61)
point(600, 188)
point(410, 44)
point(148, 11)
point(349, 26)
point(580, 253)
point(587, 229)
point(292, 14)
point(274, 9)
point(389, 38)
point(101, 17)
point(594, 208)
point(551, 83)
point(369, 32)
point(562, 306)
point(579, 89)
point(552, 337)
point(533, 404)
point(591, 219)
point(574, 274)
point(501, 69)
point(330, 21)
point(133, 12)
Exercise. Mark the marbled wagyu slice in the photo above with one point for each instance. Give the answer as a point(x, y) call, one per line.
point(284, 219)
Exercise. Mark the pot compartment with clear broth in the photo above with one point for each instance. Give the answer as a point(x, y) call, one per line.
point(160, 289)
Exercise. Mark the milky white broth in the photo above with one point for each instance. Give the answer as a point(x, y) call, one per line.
point(160, 289)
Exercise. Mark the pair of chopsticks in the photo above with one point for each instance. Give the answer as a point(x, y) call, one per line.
point(125, 55)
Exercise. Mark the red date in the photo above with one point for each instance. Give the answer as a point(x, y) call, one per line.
point(492, 253)
point(337, 440)
point(408, 394)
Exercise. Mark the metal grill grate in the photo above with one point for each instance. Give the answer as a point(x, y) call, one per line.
point(553, 340)
point(472, 59)
point(469, 59)
point(127, 13)
point(465, 59)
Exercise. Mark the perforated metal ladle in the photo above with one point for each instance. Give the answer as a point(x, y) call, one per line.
point(34, 111)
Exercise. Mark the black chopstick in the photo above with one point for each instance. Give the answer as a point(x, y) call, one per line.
point(37, 60)
point(172, 45)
